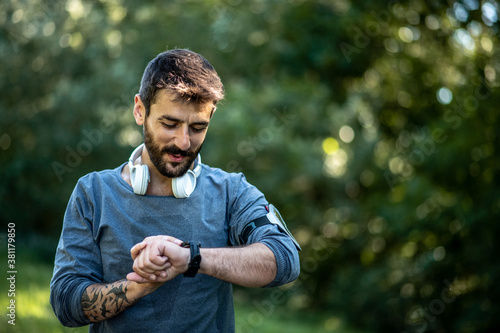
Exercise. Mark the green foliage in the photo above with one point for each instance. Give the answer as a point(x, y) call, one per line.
point(371, 126)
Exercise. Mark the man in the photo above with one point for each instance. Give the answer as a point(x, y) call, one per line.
point(191, 230)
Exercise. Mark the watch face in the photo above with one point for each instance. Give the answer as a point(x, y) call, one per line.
point(196, 261)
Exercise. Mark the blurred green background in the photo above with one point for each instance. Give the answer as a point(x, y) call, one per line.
point(373, 127)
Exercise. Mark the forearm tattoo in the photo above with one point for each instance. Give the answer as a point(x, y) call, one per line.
point(103, 301)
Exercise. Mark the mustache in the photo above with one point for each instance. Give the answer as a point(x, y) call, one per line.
point(173, 150)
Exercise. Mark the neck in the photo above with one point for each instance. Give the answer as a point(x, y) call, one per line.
point(159, 184)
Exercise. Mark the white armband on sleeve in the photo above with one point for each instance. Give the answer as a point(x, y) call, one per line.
point(273, 217)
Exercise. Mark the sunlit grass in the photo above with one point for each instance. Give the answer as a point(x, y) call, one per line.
point(250, 319)
point(30, 301)
point(33, 310)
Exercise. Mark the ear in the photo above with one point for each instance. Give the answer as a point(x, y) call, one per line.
point(139, 110)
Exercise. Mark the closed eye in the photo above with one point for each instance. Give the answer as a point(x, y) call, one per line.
point(169, 126)
point(199, 129)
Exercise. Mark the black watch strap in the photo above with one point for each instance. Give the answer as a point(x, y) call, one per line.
point(195, 261)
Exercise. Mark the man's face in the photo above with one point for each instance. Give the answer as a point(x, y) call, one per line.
point(174, 133)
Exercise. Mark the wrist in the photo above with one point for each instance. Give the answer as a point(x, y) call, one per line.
point(138, 290)
point(205, 268)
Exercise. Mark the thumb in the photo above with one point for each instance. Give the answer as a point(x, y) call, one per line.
point(133, 276)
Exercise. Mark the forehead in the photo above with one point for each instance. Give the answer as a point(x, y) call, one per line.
point(165, 103)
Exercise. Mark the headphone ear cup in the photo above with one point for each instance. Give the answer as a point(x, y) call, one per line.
point(183, 186)
point(139, 177)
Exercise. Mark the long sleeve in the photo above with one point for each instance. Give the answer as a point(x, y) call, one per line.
point(248, 204)
point(285, 252)
point(77, 262)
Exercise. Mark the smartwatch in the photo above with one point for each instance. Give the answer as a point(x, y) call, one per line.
point(194, 263)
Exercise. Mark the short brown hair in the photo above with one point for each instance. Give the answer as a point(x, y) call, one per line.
point(186, 74)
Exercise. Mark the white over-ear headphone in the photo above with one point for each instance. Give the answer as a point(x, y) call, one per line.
point(181, 186)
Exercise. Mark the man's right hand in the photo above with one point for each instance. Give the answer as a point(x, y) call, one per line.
point(158, 259)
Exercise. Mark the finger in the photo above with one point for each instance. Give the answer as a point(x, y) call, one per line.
point(161, 274)
point(141, 267)
point(157, 262)
point(147, 262)
point(149, 276)
point(136, 278)
point(140, 272)
point(151, 268)
point(136, 249)
point(163, 277)
point(163, 268)
point(150, 239)
point(172, 240)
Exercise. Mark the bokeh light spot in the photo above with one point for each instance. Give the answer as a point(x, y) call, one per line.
point(346, 134)
point(444, 96)
point(330, 145)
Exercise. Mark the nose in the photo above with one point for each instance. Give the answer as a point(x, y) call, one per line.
point(182, 139)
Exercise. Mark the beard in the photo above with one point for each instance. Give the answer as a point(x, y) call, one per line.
point(156, 154)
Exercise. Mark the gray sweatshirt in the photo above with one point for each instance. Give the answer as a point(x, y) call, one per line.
point(104, 219)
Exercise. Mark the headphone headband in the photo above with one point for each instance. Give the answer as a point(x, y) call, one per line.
point(135, 154)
